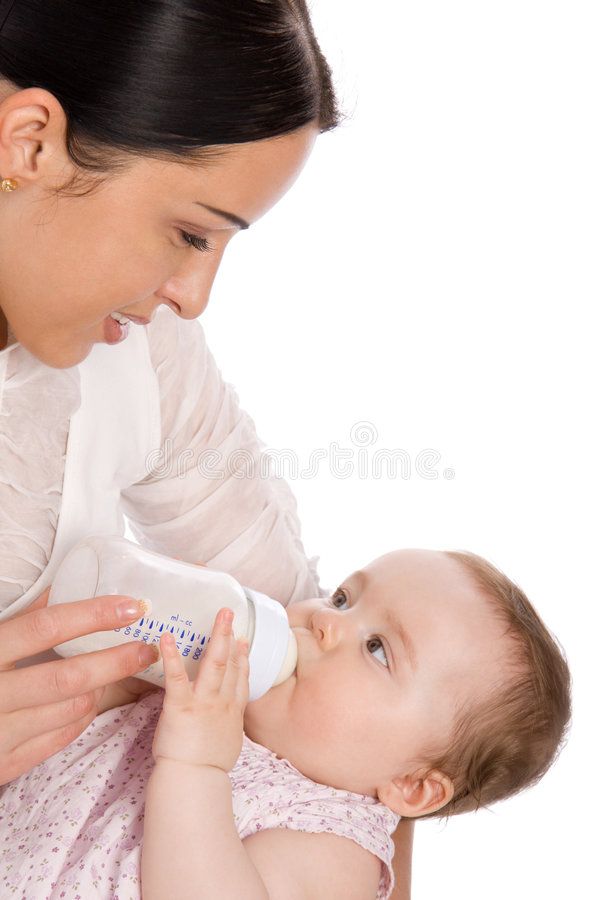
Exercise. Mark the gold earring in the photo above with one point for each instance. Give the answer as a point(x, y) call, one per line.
point(8, 184)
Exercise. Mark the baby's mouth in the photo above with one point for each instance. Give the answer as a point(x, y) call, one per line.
point(300, 631)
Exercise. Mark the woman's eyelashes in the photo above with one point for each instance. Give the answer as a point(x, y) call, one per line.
point(370, 641)
point(195, 240)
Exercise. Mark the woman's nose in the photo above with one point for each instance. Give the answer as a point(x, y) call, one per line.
point(190, 288)
point(194, 307)
point(189, 303)
point(192, 296)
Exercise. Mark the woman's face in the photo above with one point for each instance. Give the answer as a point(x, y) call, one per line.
point(67, 263)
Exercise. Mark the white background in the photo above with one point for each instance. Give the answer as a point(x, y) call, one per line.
point(434, 273)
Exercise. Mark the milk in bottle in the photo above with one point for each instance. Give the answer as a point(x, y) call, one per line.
point(181, 598)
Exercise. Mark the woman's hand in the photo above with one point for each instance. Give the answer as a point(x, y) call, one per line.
point(44, 707)
point(202, 722)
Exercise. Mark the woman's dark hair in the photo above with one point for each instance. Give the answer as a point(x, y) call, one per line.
point(169, 79)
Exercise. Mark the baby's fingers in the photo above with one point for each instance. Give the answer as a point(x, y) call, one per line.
point(236, 670)
point(177, 683)
point(216, 657)
point(242, 687)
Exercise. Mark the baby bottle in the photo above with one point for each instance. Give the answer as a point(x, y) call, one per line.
point(181, 598)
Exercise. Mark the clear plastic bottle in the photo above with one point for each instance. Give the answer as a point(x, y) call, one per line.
point(183, 599)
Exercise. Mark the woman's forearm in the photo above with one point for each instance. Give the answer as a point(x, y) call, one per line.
point(191, 848)
point(402, 861)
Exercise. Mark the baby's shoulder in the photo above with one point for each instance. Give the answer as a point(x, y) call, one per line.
point(303, 865)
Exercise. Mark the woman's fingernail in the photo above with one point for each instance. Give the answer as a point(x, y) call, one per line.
point(130, 610)
point(149, 653)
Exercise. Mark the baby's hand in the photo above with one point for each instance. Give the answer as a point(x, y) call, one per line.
point(202, 722)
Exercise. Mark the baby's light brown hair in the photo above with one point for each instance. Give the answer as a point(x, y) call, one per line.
point(510, 740)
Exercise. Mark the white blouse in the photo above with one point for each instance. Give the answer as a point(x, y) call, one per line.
point(197, 501)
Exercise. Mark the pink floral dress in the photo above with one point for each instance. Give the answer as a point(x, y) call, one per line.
point(72, 827)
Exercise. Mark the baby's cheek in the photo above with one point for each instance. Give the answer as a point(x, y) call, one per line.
point(325, 711)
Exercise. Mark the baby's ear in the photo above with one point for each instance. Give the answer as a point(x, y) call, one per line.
point(417, 794)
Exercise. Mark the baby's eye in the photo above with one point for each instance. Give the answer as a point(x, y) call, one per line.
point(376, 641)
point(336, 595)
point(340, 594)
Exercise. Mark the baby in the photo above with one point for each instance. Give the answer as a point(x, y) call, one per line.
point(426, 685)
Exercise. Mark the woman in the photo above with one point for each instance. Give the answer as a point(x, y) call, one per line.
point(135, 141)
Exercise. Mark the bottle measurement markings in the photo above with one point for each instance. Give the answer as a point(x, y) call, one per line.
point(149, 630)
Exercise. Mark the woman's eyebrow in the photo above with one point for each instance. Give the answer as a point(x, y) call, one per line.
point(394, 623)
point(231, 217)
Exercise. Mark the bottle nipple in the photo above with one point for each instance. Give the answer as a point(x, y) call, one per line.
point(290, 660)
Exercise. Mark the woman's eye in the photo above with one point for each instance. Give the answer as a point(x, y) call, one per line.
point(194, 240)
point(341, 595)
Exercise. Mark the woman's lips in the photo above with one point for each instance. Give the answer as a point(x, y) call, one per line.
point(114, 332)
point(137, 319)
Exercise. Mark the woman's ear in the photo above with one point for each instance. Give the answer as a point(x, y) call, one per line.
point(32, 131)
point(417, 794)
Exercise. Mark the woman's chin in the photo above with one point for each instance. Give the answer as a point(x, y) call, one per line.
point(59, 357)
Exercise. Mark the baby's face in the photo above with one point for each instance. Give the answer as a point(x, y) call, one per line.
point(369, 697)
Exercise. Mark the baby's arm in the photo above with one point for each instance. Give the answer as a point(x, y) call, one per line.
point(191, 847)
point(189, 824)
point(189, 820)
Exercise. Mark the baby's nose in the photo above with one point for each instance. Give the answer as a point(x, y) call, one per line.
point(325, 627)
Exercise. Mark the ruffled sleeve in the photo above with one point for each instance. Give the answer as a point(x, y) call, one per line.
point(209, 495)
